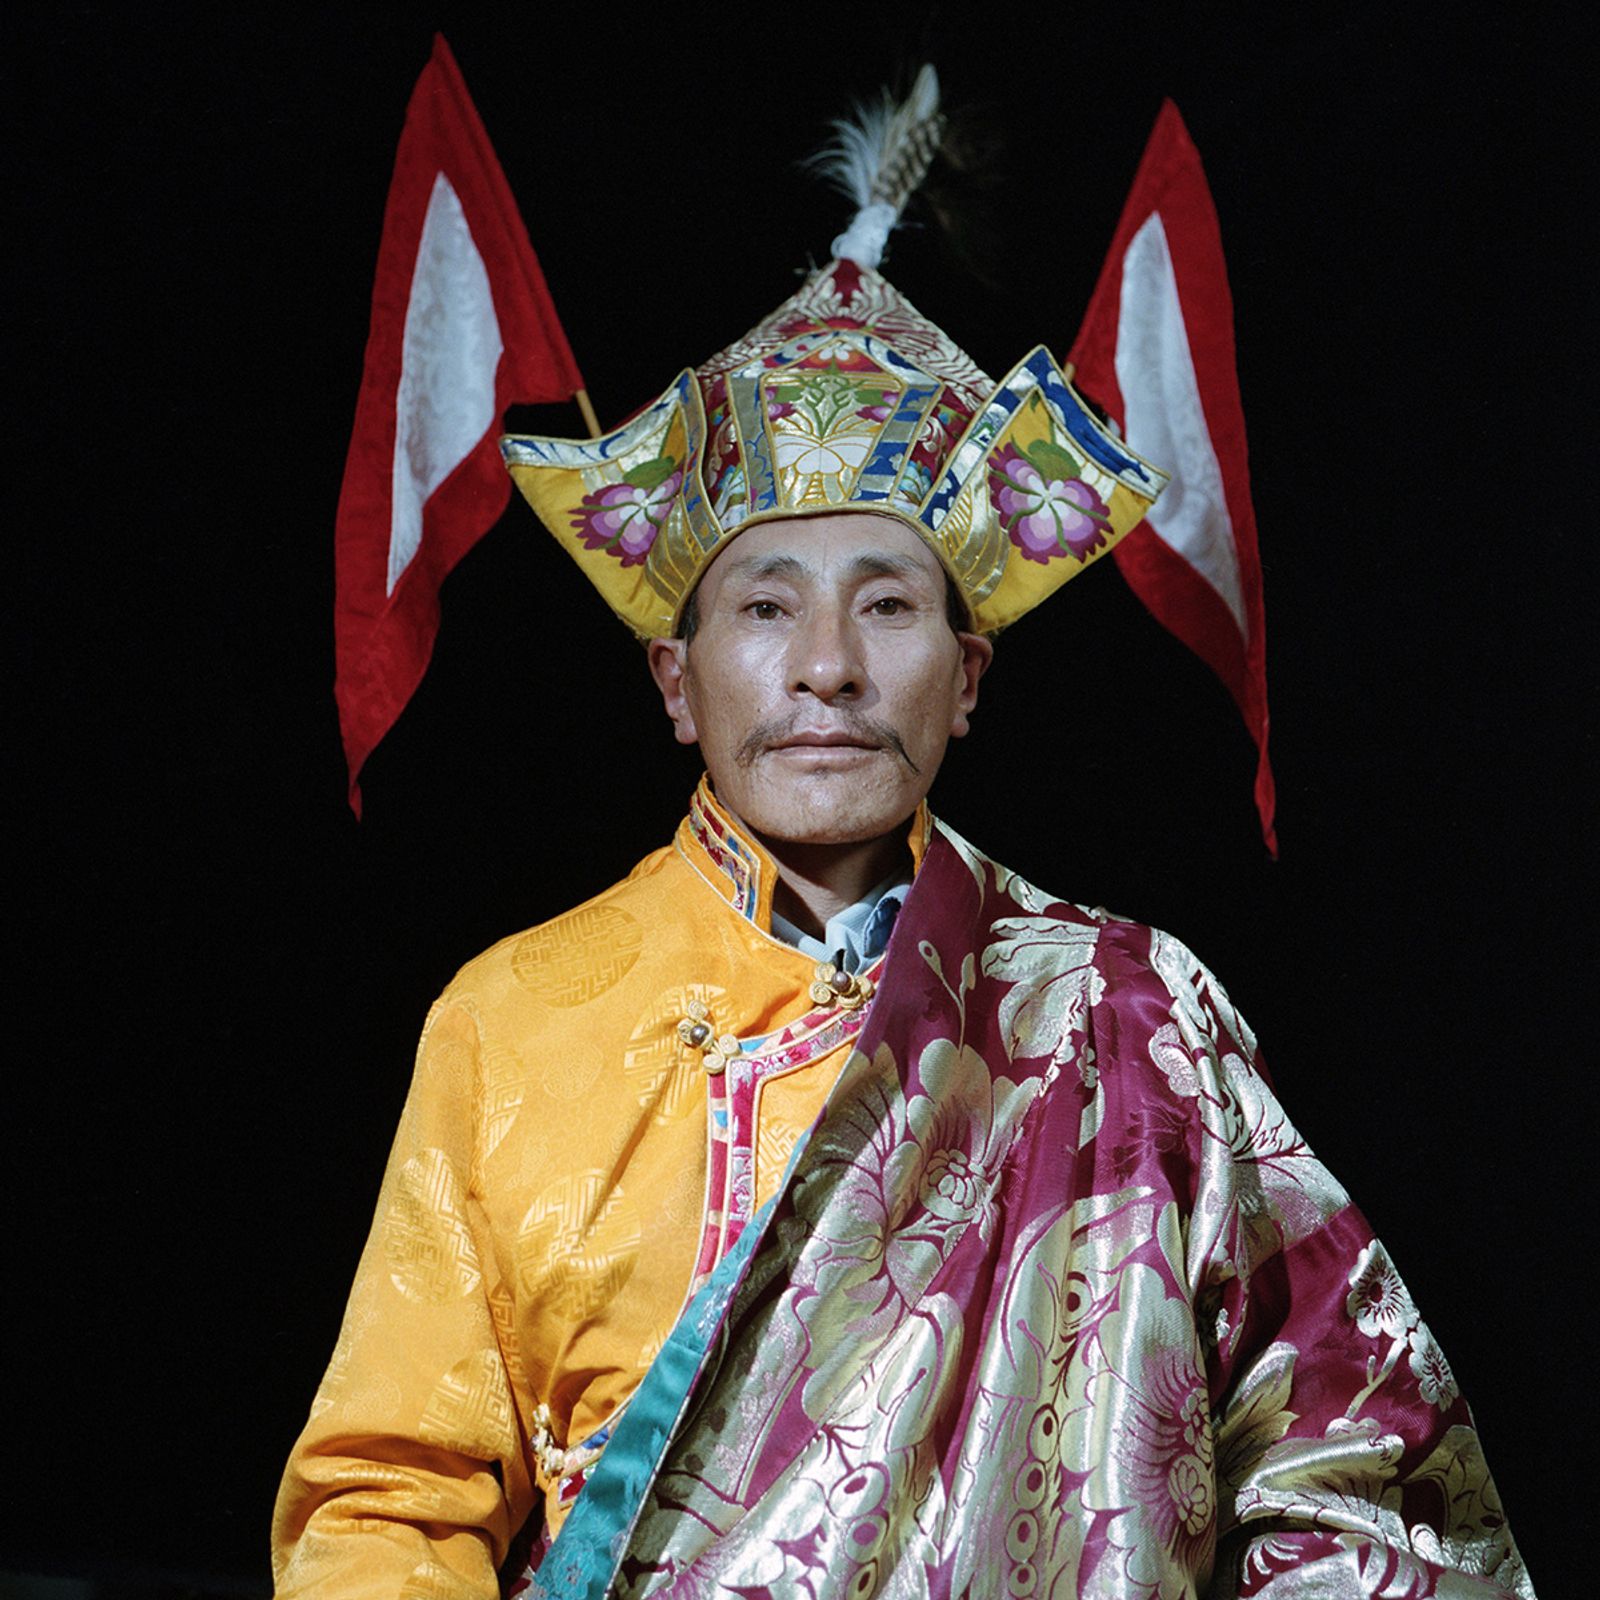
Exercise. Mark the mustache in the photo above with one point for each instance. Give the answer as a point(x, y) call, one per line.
point(868, 729)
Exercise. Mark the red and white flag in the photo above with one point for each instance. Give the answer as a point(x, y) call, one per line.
point(462, 327)
point(1156, 351)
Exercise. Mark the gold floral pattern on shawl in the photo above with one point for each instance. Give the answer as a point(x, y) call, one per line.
point(874, 1346)
point(1091, 1351)
point(1478, 1537)
point(1382, 1309)
point(1137, 1425)
point(890, 1217)
point(1343, 1480)
point(1346, 1479)
point(1271, 1190)
point(1055, 1378)
point(1258, 1418)
point(1049, 964)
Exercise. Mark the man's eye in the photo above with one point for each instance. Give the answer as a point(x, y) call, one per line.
point(764, 610)
point(889, 605)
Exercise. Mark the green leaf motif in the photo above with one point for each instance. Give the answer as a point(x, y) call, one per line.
point(1054, 462)
point(648, 474)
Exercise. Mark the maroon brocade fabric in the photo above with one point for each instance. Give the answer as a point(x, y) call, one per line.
point(1058, 1302)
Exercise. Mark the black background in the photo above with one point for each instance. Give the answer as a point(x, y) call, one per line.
point(221, 975)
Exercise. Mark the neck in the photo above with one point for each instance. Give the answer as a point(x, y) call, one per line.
point(818, 881)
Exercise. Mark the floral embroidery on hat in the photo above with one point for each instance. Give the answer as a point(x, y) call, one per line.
point(1045, 507)
point(624, 518)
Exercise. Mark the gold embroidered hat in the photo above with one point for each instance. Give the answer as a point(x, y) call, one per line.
point(845, 399)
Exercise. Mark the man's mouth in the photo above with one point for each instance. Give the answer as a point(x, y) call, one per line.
point(837, 740)
point(774, 737)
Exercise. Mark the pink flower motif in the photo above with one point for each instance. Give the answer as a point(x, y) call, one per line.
point(624, 518)
point(778, 409)
point(874, 413)
point(1047, 512)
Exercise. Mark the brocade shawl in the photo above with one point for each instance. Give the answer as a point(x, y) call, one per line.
point(1055, 1301)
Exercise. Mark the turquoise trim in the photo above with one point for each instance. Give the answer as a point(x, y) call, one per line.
point(584, 1558)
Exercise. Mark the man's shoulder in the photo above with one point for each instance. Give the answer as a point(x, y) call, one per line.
point(1019, 912)
point(1057, 960)
point(559, 960)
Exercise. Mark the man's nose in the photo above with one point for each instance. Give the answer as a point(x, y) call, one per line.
point(825, 657)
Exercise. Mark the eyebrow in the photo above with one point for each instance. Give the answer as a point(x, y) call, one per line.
point(769, 567)
point(871, 564)
point(875, 565)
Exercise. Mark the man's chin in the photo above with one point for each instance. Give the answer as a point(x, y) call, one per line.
point(826, 814)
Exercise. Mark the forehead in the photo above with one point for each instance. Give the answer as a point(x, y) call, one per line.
point(831, 548)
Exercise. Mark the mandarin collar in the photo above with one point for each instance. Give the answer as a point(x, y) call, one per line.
point(723, 852)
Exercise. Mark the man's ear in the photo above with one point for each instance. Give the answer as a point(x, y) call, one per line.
point(669, 666)
point(976, 654)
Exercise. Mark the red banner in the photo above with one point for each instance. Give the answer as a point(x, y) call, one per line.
point(462, 327)
point(1156, 351)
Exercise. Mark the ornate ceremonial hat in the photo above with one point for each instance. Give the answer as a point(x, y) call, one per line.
point(846, 398)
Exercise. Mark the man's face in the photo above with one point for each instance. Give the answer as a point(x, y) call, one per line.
point(824, 680)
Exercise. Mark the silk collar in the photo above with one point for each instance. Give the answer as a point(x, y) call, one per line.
point(738, 868)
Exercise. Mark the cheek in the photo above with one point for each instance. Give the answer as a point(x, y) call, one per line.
point(726, 706)
point(931, 702)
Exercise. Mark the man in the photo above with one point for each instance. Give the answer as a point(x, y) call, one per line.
point(824, 1209)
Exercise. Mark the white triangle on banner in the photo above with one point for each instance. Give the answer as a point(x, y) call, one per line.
point(445, 400)
point(1165, 421)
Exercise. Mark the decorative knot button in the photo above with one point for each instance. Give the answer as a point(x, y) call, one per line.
point(552, 1465)
point(548, 1456)
point(695, 1029)
point(833, 986)
point(718, 1055)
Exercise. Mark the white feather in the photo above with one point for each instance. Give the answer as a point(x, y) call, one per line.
point(878, 157)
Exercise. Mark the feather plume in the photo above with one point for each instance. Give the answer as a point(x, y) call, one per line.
point(877, 157)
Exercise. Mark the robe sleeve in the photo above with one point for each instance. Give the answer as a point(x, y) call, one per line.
point(1346, 1460)
point(410, 1478)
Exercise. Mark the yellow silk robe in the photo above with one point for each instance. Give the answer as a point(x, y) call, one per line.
point(544, 1212)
